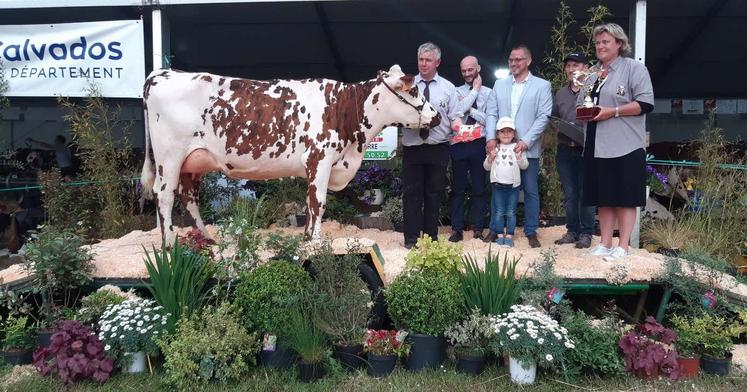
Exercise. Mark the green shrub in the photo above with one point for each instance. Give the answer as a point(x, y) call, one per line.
point(58, 264)
point(285, 247)
point(494, 288)
point(425, 302)
point(339, 209)
point(392, 209)
point(439, 256)
point(73, 208)
point(596, 345)
point(17, 333)
point(208, 346)
point(716, 335)
point(94, 305)
point(178, 280)
point(341, 298)
point(267, 295)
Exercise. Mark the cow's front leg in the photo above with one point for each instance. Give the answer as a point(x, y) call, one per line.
point(317, 172)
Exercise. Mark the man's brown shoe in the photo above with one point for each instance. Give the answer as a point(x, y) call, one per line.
point(491, 237)
point(478, 235)
point(584, 241)
point(567, 238)
point(533, 241)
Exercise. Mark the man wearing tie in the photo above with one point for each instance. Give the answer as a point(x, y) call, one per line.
point(528, 100)
point(467, 148)
point(426, 152)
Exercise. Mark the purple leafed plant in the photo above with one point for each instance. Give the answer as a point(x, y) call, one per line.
point(648, 350)
point(75, 353)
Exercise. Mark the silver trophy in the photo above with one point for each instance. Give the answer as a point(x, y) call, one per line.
point(583, 79)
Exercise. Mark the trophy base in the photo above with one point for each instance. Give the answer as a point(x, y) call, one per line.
point(586, 114)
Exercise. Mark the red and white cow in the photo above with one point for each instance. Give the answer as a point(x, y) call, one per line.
point(252, 129)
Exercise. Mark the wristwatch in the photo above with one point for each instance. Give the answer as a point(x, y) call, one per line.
point(617, 111)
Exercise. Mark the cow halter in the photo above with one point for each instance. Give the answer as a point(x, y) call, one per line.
point(418, 109)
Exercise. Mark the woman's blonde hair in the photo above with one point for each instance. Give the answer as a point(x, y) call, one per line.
point(616, 32)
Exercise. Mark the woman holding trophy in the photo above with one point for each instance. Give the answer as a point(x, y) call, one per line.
point(617, 94)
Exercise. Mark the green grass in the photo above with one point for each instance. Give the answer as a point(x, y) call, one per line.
point(446, 380)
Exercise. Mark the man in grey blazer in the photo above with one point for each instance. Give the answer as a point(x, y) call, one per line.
point(528, 100)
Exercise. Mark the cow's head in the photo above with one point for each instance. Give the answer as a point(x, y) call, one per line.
point(398, 96)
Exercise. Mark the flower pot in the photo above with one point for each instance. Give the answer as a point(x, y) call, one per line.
point(718, 366)
point(350, 357)
point(310, 372)
point(689, 367)
point(280, 358)
point(471, 364)
point(43, 338)
point(520, 374)
point(18, 356)
point(426, 352)
point(300, 220)
point(380, 365)
point(375, 197)
point(136, 362)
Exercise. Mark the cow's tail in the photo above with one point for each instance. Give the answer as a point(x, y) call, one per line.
point(148, 176)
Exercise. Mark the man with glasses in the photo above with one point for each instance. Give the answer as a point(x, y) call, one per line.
point(528, 100)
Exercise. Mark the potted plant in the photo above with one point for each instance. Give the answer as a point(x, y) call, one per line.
point(530, 337)
point(717, 344)
point(59, 264)
point(689, 343)
point(471, 341)
point(649, 350)
point(492, 288)
point(309, 342)
point(382, 348)
point(657, 183)
point(18, 340)
point(425, 302)
point(211, 346)
point(342, 301)
point(670, 234)
point(95, 304)
point(392, 209)
point(129, 329)
point(372, 184)
point(267, 297)
point(74, 354)
point(596, 350)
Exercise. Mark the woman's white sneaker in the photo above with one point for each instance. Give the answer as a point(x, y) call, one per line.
point(600, 250)
point(617, 253)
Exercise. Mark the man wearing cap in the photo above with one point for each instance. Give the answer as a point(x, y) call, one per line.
point(570, 162)
point(467, 148)
point(528, 100)
point(426, 153)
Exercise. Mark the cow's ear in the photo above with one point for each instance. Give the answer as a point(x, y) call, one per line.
point(407, 82)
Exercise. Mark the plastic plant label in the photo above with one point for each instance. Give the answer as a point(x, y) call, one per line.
point(708, 300)
point(269, 342)
point(555, 295)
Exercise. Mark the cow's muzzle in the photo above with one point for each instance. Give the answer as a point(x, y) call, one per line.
point(435, 121)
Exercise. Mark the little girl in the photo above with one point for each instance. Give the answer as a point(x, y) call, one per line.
point(504, 165)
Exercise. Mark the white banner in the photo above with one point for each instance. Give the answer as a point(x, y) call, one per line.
point(66, 59)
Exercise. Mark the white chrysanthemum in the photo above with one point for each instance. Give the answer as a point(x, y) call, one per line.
point(107, 347)
point(548, 357)
point(121, 336)
point(541, 341)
